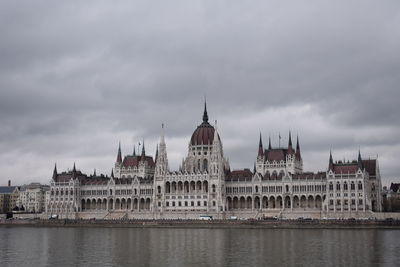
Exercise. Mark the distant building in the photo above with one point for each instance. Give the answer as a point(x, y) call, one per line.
point(392, 198)
point(8, 197)
point(205, 184)
point(32, 198)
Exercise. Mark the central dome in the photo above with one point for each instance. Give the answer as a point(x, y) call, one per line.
point(204, 134)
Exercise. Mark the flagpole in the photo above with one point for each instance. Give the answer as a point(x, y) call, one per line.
point(279, 140)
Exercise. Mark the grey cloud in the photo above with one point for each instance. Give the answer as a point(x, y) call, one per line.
point(75, 78)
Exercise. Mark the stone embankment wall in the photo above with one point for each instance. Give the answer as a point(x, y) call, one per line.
point(240, 215)
point(273, 224)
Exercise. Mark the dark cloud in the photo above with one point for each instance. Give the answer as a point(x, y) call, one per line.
point(76, 78)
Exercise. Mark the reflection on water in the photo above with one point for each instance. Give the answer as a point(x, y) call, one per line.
point(29, 246)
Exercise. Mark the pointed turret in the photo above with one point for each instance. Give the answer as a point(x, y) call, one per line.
point(161, 155)
point(205, 115)
point(119, 155)
point(260, 147)
point(290, 146)
point(74, 171)
point(330, 160)
point(55, 172)
point(112, 173)
point(156, 154)
point(298, 153)
point(134, 151)
point(143, 151)
point(359, 161)
point(269, 143)
point(94, 172)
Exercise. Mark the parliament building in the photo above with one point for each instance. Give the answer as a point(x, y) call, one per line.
point(143, 187)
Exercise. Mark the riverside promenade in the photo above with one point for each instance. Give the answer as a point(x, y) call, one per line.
point(273, 223)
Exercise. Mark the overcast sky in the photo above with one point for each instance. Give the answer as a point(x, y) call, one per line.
point(77, 78)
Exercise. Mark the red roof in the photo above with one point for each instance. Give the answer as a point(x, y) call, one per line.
point(133, 161)
point(240, 175)
point(370, 166)
point(345, 168)
point(277, 154)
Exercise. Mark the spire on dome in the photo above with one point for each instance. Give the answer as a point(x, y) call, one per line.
point(205, 115)
point(119, 155)
point(55, 172)
point(260, 147)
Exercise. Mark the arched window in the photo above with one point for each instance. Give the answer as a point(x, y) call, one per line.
point(345, 187)
point(198, 165)
point(330, 186)
point(213, 188)
point(338, 186)
point(360, 187)
point(205, 165)
point(256, 188)
point(352, 186)
point(159, 189)
point(110, 192)
point(287, 188)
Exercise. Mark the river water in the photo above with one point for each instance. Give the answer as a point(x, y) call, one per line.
point(57, 246)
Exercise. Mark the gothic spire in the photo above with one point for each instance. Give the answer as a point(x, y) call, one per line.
point(134, 150)
point(156, 154)
point(55, 172)
point(269, 143)
point(260, 147)
point(74, 168)
point(360, 163)
point(94, 172)
point(112, 173)
point(298, 153)
point(330, 160)
point(119, 155)
point(205, 115)
point(162, 139)
point(290, 146)
point(143, 151)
